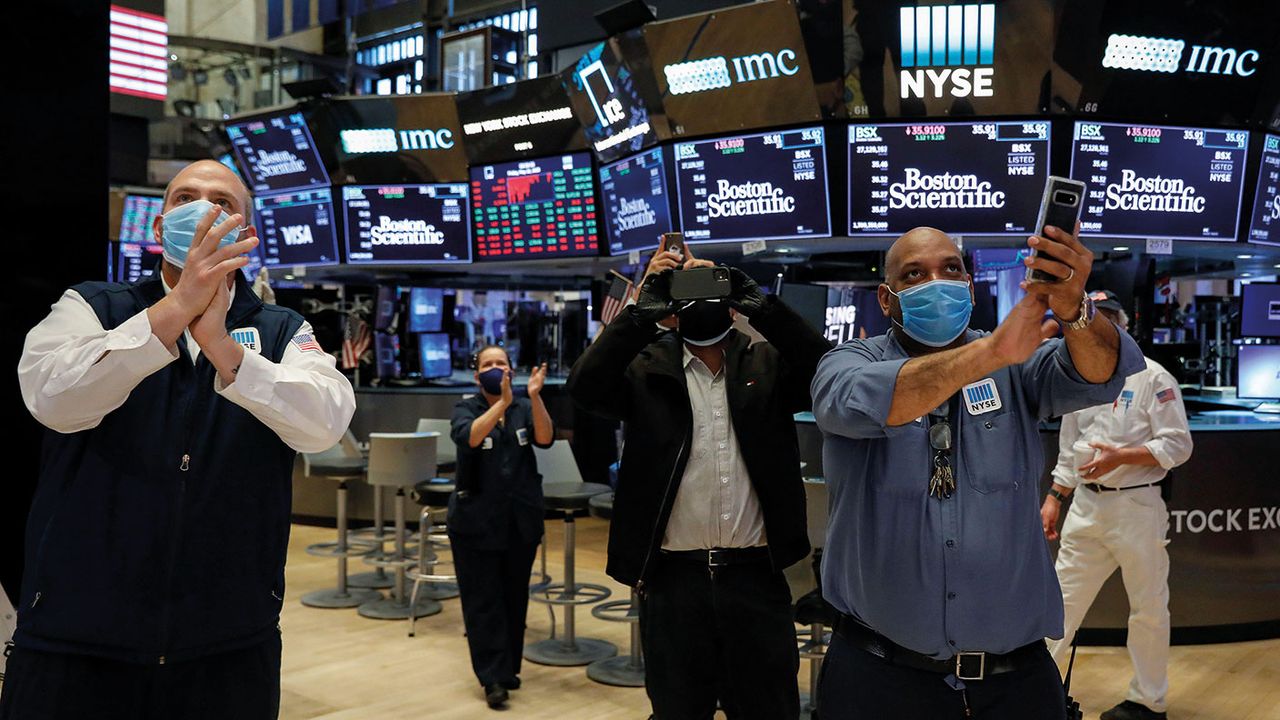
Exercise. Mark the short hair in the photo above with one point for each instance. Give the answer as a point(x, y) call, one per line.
point(475, 359)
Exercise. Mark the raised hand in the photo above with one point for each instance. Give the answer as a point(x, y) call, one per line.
point(1022, 330)
point(208, 265)
point(1071, 263)
point(537, 379)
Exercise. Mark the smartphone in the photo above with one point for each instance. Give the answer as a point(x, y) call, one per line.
point(674, 242)
point(704, 283)
point(1060, 207)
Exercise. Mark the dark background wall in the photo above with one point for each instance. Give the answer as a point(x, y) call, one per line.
point(565, 23)
point(55, 129)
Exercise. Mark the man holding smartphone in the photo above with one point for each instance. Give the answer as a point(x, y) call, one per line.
point(709, 507)
point(935, 555)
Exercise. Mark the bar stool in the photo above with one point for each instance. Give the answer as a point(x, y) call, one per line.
point(569, 500)
point(428, 579)
point(399, 460)
point(623, 670)
point(446, 450)
point(342, 462)
point(378, 536)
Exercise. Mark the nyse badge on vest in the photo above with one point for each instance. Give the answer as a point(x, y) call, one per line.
point(982, 397)
point(248, 338)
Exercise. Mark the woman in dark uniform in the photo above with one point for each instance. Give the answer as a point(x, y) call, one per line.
point(496, 516)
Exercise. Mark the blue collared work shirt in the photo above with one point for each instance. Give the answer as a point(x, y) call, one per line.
point(967, 573)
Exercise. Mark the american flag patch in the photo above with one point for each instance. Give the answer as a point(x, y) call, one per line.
point(307, 341)
point(1165, 395)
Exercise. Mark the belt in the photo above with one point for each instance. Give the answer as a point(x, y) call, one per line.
point(964, 665)
point(718, 557)
point(1103, 488)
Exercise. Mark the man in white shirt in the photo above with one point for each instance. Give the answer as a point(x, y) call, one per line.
point(156, 540)
point(1121, 453)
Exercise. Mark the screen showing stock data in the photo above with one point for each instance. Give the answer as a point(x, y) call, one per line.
point(983, 178)
point(137, 216)
point(753, 187)
point(543, 208)
point(1264, 226)
point(407, 223)
point(1159, 182)
point(297, 228)
point(277, 151)
point(637, 206)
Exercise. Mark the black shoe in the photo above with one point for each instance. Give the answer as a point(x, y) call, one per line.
point(512, 684)
point(1130, 710)
point(495, 695)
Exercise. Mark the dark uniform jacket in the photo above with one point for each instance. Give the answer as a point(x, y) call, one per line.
point(634, 373)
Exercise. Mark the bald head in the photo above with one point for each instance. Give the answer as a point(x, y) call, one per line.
point(920, 246)
point(209, 180)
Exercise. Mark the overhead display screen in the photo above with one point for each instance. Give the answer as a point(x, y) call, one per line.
point(982, 178)
point(436, 360)
point(390, 139)
point(406, 223)
point(297, 228)
point(527, 119)
point(426, 309)
point(138, 214)
point(1260, 310)
point(751, 187)
point(277, 151)
point(1264, 226)
point(1159, 182)
point(135, 261)
point(637, 206)
point(618, 106)
point(534, 208)
point(1259, 368)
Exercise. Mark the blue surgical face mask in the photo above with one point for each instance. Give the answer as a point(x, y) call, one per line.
point(179, 229)
point(491, 380)
point(935, 313)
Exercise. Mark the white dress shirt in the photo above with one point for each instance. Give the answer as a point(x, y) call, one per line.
point(1149, 413)
point(73, 372)
point(715, 505)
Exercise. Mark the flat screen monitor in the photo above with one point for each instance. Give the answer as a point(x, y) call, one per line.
point(853, 312)
point(528, 119)
point(390, 139)
point(297, 228)
point(753, 187)
point(809, 302)
point(614, 94)
point(433, 349)
point(637, 204)
point(138, 214)
point(1148, 181)
point(407, 223)
point(530, 209)
point(384, 310)
point(979, 178)
point(1260, 310)
point(277, 151)
point(426, 309)
point(386, 354)
point(136, 261)
point(1259, 372)
point(1264, 226)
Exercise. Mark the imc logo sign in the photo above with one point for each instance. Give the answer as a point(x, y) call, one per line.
point(947, 49)
point(1154, 54)
point(714, 73)
point(386, 140)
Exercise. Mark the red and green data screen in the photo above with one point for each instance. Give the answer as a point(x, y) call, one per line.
point(542, 208)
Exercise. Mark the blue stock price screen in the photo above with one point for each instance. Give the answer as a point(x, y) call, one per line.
point(753, 187)
point(297, 228)
point(978, 178)
point(534, 208)
point(1151, 181)
point(407, 223)
point(278, 152)
point(636, 208)
point(1265, 225)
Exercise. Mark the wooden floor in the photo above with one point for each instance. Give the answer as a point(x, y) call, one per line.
point(340, 666)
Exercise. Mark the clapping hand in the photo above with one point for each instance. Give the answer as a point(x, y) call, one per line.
point(537, 379)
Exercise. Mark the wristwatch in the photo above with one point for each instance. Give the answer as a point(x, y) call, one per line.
point(1058, 495)
point(1087, 312)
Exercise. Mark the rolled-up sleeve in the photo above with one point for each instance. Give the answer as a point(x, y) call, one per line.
point(460, 426)
point(853, 392)
point(303, 398)
point(1065, 473)
point(73, 372)
point(1171, 441)
point(1050, 379)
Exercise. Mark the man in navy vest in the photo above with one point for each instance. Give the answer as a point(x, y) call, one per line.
point(156, 542)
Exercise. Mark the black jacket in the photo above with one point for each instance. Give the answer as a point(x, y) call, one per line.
point(131, 557)
point(634, 373)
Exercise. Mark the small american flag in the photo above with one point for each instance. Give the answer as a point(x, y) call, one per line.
point(619, 291)
point(1165, 395)
point(355, 341)
point(307, 341)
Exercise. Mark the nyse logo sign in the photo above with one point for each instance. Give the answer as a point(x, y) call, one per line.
point(386, 140)
point(1154, 54)
point(947, 49)
point(714, 73)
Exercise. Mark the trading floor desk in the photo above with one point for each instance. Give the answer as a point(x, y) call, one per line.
point(1224, 530)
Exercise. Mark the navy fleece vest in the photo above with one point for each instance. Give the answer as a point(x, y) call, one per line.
point(130, 557)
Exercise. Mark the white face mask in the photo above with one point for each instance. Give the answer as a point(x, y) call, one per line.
point(178, 230)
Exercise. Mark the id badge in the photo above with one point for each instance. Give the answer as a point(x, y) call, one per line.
point(487, 444)
point(522, 436)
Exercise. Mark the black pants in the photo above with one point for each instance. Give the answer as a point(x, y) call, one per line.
point(724, 634)
point(856, 685)
point(494, 589)
point(241, 684)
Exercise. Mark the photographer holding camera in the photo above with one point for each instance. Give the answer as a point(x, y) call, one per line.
point(709, 506)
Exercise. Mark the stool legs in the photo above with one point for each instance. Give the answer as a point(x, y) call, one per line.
point(342, 596)
point(377, 578)
point(569, 649)
point(397, 607)
point(813, 651)
point(623, 671)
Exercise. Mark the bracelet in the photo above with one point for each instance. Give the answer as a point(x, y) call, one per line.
point(1058, 495)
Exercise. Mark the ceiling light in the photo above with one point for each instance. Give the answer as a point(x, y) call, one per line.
point(1121, 248)
point(1246, 256)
